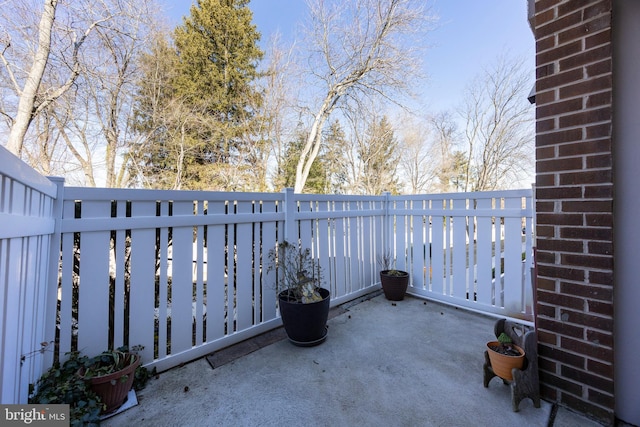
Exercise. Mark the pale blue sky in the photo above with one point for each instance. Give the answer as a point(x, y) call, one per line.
point(469, 35)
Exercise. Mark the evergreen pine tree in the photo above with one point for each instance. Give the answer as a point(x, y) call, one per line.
point(209, 87)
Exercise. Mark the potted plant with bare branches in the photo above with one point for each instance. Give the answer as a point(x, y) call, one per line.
point(303, 302)
point(394, 282)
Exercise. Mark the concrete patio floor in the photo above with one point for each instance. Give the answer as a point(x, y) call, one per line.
point(408, 363)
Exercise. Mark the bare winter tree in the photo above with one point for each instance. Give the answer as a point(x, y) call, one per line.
point(88, 112)
point(278, 86)
point(25, 70)
point(416, 160)
point(498, 127)
point(106, 91)
point(444, 131)
point(359, 49)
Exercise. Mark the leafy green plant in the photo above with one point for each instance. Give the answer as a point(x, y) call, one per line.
point(297, 273)
point(506, 345)
point(64, 384)
point(504, 339)
point(108, 362)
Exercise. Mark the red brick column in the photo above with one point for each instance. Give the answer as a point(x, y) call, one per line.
point(574, 204)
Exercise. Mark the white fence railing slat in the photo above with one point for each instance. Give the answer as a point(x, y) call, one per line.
point(244, 270)
point(182, 281)
point(142, 292)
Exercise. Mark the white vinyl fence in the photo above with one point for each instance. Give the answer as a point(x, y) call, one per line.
point(27, 300)
point(467, 249)
point(184, 273)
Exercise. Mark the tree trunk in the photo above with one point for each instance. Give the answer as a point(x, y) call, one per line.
point(26, 105)
point(314, 140)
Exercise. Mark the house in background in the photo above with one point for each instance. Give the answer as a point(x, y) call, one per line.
point(588, 204)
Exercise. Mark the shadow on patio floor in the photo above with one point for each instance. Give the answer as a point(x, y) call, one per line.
point(407, 363)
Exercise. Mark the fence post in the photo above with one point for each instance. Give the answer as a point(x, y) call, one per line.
point(388, 223)
point(290, 208)
point(51, 299)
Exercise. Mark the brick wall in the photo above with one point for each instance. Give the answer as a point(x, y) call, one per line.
point(574, 192)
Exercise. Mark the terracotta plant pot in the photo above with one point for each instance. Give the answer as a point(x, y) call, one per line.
point(503, 364)
point(393, 285)
point(113, 388)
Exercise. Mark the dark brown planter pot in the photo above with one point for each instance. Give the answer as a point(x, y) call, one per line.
point(113, 388)
point(305, 324)
point(394, 286)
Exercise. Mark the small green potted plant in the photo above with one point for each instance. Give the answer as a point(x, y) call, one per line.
point(70, 383)
point(61, 384)
point(504, 355)
point(110, 376)
point(303, 302)
point(394, 282)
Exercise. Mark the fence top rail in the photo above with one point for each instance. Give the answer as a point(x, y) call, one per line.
point(337, 198)
point(72, 225)
point(91, 193)
point(18, 170)
point(526, 192)
point(488, 213)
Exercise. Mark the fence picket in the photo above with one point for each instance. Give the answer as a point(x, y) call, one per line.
point(340, 285)
point(162, 304)
point(353, 249)
point(513, 279)
point(368, 245)
point(182, 281)
point(244, 269)
point(437, 247)
point(199, 273)
point(484, 248)
point(230, 289)
point(268, 285)
point(216, 276)
point(459, 252)
point(418, 247)
point(93, 315)
point(142, 283)
point(120, 255)
point(11, 346)
point(324, 224)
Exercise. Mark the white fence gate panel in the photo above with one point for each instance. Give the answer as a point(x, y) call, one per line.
point(27, 303)
point(479, 252)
